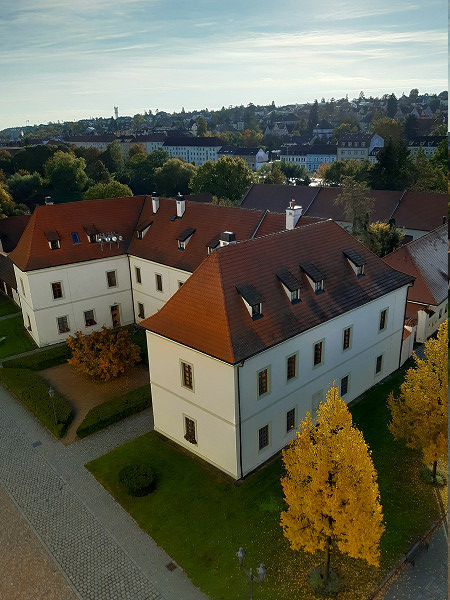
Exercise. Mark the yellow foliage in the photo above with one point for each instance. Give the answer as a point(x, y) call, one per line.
point(420, 414)
point(331, 486)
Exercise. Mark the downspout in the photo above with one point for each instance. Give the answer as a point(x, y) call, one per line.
point(129, 263)
point(239, 366)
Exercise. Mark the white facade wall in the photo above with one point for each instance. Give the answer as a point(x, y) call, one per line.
point(146, 292)
point(197, 154)
point(84, 288)
point(313, 161)
point(211, 403)
point(427, 325)
point(216, 402)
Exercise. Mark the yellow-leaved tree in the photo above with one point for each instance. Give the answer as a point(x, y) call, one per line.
point(330, 487)
point(420, 413)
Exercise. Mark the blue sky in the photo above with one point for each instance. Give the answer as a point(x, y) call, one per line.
point(67, 60)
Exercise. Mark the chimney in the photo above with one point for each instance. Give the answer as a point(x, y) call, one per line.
point(181, 205)
point(155, 203)
point(227, 238)
point(48, 200)
point(293, 214)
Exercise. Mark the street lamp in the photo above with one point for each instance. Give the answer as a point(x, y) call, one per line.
point(261, 571)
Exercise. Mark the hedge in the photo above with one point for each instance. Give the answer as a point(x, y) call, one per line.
point(32, 391)
point(40, 360)
point(137, 480)
point(115, 410)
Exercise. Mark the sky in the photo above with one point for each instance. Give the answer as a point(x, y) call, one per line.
point(65, 60)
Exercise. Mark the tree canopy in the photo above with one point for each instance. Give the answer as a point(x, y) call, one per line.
point(65, 172)
point(358, 205)
point(276, 175)
point(330, 487)
point(420, 413)
point(227, 178)
point(113, 189)
point(173, 177)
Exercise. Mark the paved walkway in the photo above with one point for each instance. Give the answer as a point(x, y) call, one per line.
point(99, 548)
point(428, 578)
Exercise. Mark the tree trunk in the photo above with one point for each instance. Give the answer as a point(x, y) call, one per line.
point(326, 564)
point(434, 471)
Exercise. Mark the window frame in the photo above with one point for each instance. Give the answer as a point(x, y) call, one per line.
point(183, 371)
point(141, 313)
point(75, 237)
point(291, 411)
point(350, 338)
point(53, 283)
point(259, 380)
point(138, 275)
point(383, 319)
point(266, 434)
point(295, 375)
point(67, 329)
point(187, 437)
point(347, 379)
point(379, 371)
point(322, 353)
point(159, 283)
point(92, 321)
point(108, 279)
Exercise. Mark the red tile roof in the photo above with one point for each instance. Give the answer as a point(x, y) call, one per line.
point(11, 229)
point(109, 215)
point(227, 331)
point(423, 211)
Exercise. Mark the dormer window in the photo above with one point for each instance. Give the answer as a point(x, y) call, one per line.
point(183, 238)
point(314, 276)
point(252, 300)
point(53, 240)
point(356, 262)
point(291, 285)
point(91, 232)
point(142, 230)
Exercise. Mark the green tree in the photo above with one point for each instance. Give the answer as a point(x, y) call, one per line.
point(174, 176)
point(6, 164)
point(227, 178)
point(387, 128)
point(391, 171)
point(141, 170)
point(383, 238)
point(440, 157)
point(414, 94)
point(411, 127)
point(358, 205)
point(98, 173)
point(343, 129)
point(330, 487)
point(251, 137)
point(202, 126)
point(276, 175)
point(313, 117)
point(33, 158)
point(112, 158)
point(293, 171)
point(136, 149)
point(392, 105)
point(113, 189)
point(8, 208)
point(420, 413)
point(24, 187)
point(425, 175)
point(65, 172)
point(262, 172)
point(332, 174)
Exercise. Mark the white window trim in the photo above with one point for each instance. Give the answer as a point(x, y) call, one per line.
point(68, 324)
point(185, 387)
point(348, 384)
point(258, 395)
point(269, 442)
point(296, 367)
point(62, 291)
point(161, 291)
point(136, 271)
point(322, 356)
point(288, 431)
point(380, 372)
point(351, 338)
point(184, 430)
point(386, 308)
point(107, 282)
point(84, 316)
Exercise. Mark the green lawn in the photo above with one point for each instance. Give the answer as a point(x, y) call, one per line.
point(201, 518)
point(17, 340)
point(7, 306)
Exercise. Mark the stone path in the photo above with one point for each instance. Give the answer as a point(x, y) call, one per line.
point(428, 578)
point(99, 548)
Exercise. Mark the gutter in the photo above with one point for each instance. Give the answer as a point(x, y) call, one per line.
point(240, 365)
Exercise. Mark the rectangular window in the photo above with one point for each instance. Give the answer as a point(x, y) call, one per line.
point(318, 286)
point(318, 353)
point(187, 380)
point(54, 245)
point(346, 340)
point(112, 278)
point(263, 437)
point(360, 271)
point(75, 237)
point(291, 370)
point(189, 430)
point(290, 420)
point(379, 364)
point(22, 287)
point(137, 272)
point(158, 281)
point(295, 296)
point(344, 385)
point(263, 382)
point(383, 320)
point(89, 318)
point(256, 310)
point(63, 324)
point(57, 290)
point(29, 323)
point(140, 310)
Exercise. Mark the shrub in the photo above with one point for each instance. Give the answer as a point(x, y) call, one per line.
point(114, 410)
point(40, 360)
point(33, 392)
point(137, 480)
point(103, 354)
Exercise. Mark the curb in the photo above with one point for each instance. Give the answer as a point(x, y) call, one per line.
point(401, 564)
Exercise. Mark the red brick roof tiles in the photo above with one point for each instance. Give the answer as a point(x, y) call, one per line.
point(227, 331)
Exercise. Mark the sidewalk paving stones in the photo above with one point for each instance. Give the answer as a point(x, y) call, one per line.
point(98, 546)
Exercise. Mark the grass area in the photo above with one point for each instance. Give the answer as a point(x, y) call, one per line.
point(115, 410)
point(32, 391)
point(46, 358)
point(201, 518)
point(17, 340)
point(7, 306)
